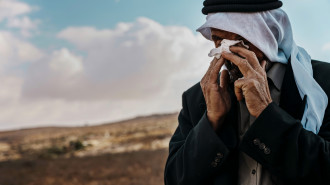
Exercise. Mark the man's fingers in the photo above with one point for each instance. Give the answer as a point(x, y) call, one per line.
point(207, 74)
point(238, 88)
point(215, 71)
point(241, 63)
point(224, 79)
point(263, 64)
point(212, 64)
point(249, 55)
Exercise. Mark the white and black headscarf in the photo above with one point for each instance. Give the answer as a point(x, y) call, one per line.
point(271, 32)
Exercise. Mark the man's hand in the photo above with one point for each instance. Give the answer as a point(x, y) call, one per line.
point(254, 85)
point(216, 95)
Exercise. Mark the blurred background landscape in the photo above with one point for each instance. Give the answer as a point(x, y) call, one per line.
point(90, 90)
point(127, 152)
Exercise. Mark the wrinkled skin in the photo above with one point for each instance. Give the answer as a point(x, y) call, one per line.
point(253, 86)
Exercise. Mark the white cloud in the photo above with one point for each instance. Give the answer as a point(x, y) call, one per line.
point(137, 68)
point(65, 62)
point(134, 60)
point(14, 12)
point(25, 24)
point(13, 8)
point(14, 52)
point(326, 47)
point(10, 90)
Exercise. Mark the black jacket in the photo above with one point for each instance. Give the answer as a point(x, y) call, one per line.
point(277, 140)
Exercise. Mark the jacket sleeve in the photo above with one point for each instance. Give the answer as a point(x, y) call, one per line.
point(282, 145)
point(195, 152)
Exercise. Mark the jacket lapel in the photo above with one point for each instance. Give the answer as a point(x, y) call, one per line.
point(290, 99)
point(229, 131)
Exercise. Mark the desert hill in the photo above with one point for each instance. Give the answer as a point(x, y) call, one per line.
point(133, 151)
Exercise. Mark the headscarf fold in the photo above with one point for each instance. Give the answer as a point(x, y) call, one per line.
point(271, 32)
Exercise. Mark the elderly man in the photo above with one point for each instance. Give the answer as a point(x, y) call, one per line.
point(265, 120)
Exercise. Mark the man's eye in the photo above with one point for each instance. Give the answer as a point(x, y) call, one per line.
point(216, 38)
point(244, 40)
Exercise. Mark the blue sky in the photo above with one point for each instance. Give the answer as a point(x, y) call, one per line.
point(310, 20)
point(82, 61)
point(57, 15)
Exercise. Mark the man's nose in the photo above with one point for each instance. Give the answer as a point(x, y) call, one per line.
point(218, 43)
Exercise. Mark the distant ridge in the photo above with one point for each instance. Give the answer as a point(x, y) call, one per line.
point(156, 115)
point(147, 132)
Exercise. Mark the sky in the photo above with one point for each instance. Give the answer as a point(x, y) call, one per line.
point(78, 62)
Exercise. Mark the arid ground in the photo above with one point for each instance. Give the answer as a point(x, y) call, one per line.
point(131, 152)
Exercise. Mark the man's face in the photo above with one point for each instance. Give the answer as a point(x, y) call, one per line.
point(218, 35)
